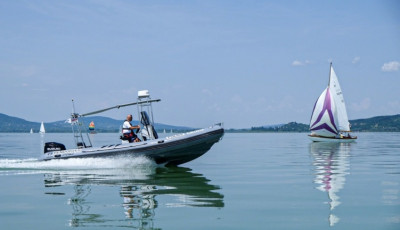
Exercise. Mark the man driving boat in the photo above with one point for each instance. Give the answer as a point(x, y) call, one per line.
point(127, 130)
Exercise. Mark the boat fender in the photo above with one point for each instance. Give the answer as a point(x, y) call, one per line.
point(145, 118)
point(53, 146)
point(154, 132)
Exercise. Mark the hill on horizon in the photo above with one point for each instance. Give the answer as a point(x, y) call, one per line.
point(390, 123)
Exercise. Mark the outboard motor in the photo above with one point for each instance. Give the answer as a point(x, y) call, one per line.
point(53, 146)
point(148, 132)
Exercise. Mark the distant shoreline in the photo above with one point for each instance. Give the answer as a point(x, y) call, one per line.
point(9, 124)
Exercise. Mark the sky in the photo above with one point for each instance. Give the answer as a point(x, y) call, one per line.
point(243, 63)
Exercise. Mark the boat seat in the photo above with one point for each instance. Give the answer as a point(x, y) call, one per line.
point(126, 139)
point(123, 138)
point(81, 145)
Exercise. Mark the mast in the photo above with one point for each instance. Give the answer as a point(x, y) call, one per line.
point(330, 71)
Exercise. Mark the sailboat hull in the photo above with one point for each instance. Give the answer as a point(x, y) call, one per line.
point(173, 150)
point(316, 138)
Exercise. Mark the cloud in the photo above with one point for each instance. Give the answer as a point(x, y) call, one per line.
point(25, 71)
point(300, 63)
point(237, 99)
point(394, 104)
point(207, 92)
point(391, 66)
point(286, 103)
point(363, 105)
point(356, 60)
point(297, 63)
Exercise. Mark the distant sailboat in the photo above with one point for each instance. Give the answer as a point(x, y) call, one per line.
point(329, 121)
point(31, 131)
point(91, 128)
point(42, 130)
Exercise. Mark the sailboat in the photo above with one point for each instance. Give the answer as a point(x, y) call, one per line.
point(329, 121)
point(31, 131)
point(42, 130)
point(91, 128)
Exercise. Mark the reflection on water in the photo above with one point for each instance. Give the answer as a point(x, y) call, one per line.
point(139, 191)
point(139, 203)
point(331, 162)
point(81, 208)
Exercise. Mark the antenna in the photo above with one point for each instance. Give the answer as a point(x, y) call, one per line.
point(330, 71)
point(73, 106)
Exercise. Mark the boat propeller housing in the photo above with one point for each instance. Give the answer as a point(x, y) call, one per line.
point(53, 146)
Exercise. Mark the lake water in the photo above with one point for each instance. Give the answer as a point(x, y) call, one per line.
point(246, 181)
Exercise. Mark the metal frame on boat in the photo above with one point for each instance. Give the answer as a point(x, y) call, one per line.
point(171, 150)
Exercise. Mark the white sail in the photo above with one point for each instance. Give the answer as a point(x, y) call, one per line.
point(324, 116)
point(343, 120)
point(42, 130)
point(31, 131)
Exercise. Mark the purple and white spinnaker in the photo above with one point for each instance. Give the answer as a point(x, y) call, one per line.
point(329, 118)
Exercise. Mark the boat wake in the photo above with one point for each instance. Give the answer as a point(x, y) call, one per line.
point(32, 165)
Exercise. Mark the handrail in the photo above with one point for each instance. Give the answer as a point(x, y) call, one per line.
point(118, 106)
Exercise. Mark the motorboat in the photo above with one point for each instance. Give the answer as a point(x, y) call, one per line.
point(171, 150)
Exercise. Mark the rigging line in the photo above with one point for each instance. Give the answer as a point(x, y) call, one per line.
point(118, 106)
